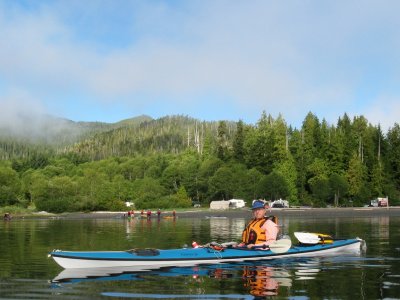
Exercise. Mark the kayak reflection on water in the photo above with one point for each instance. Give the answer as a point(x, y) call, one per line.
point(258, 280)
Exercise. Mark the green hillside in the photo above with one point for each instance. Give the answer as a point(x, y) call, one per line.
point(171, 134)
point(171, 161)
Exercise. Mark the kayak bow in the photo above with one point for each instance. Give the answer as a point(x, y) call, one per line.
point(191, 256)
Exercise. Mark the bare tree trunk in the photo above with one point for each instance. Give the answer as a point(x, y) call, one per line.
point(287, 141)
point(379, 150)
point(188, 137)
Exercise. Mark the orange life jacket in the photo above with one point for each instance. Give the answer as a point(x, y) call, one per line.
point(254, 233)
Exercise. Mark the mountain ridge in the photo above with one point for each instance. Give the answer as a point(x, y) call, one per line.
point(98, 140)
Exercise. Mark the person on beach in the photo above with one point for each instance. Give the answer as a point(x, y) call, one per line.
point(261, 230)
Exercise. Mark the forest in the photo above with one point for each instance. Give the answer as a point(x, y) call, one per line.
point(174, 161)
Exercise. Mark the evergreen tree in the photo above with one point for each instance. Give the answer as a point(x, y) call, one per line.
point(333, 151)
point(344, 128)
point(238, 141)
point(394, 153)
point(280, 138)
point(339, 187)
point(287, 170)
point(297, 148)
point(254, 176)
point(206, 170)
point(356, 176)
point(318, 180)
point(222, 144)
point(377, 180)
point(273, 186)
point(320, 190)
point(10, 186)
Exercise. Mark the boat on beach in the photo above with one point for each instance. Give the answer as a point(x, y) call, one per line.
point(201, 255)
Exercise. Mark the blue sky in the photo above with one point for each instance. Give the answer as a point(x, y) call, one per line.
point(115, 59)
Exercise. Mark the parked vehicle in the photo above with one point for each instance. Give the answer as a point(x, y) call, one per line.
point(379, 202)
point(196, 204)
point(236, 203)
point(383, 202)
point(280, 203)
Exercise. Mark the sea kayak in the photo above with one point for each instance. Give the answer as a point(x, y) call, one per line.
point(191, 256)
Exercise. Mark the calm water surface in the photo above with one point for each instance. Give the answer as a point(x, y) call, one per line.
point(27, 273)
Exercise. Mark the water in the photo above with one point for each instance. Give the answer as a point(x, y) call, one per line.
point(27, 273)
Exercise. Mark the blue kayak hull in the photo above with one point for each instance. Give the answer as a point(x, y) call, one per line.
point(190, 256)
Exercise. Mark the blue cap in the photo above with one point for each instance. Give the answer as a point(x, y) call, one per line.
point(258, 204)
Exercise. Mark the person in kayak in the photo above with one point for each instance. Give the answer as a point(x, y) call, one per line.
point(261, 230)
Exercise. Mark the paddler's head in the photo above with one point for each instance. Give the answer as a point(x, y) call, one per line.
point(258, 209)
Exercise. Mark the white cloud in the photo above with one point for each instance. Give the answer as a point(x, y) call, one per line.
point(282, 57)
point(384, 110)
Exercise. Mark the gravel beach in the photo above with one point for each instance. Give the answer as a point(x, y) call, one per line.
point(298, 212)
point(353, 212)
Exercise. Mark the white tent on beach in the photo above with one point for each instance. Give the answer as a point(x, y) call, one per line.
point(223, 204)
point(226, 204)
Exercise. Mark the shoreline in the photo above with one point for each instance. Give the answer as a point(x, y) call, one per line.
point(299, 212)
point(348, 212)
